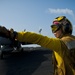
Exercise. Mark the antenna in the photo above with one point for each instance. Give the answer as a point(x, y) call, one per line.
point(24, 30)
point(40, 30)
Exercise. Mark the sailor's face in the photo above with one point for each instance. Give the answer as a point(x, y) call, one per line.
point(58, 33)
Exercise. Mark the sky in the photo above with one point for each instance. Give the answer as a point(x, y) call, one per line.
point(33, 15)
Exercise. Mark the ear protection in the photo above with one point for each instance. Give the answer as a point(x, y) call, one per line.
point(66, 25)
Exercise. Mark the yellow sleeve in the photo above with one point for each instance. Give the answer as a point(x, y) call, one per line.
point(44, 41)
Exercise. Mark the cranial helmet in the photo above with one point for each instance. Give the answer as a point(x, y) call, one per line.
point(63, 23)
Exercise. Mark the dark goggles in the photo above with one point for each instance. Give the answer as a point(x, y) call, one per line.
point(55, 28)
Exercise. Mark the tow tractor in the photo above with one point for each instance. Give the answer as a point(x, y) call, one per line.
point(5, 49)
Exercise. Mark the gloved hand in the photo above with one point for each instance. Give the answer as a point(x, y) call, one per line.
point(4, 32)
point(12, 33)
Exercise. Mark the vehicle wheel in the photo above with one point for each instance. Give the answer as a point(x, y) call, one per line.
point(1, 54)
point(22, 50)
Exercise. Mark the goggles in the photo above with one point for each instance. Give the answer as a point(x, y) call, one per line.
point(55, 28)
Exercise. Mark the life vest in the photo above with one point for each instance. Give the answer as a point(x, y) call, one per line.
point(69, 42)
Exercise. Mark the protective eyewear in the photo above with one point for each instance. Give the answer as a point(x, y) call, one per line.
point(55, 28)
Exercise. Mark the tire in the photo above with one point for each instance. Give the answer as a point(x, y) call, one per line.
point(1, 54)
point(22, 50)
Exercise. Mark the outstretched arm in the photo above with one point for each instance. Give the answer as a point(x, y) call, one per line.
point(44, 41)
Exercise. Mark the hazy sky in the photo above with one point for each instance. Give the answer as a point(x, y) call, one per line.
point(33, 15)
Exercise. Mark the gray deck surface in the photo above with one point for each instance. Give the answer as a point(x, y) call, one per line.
point(30, 62)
